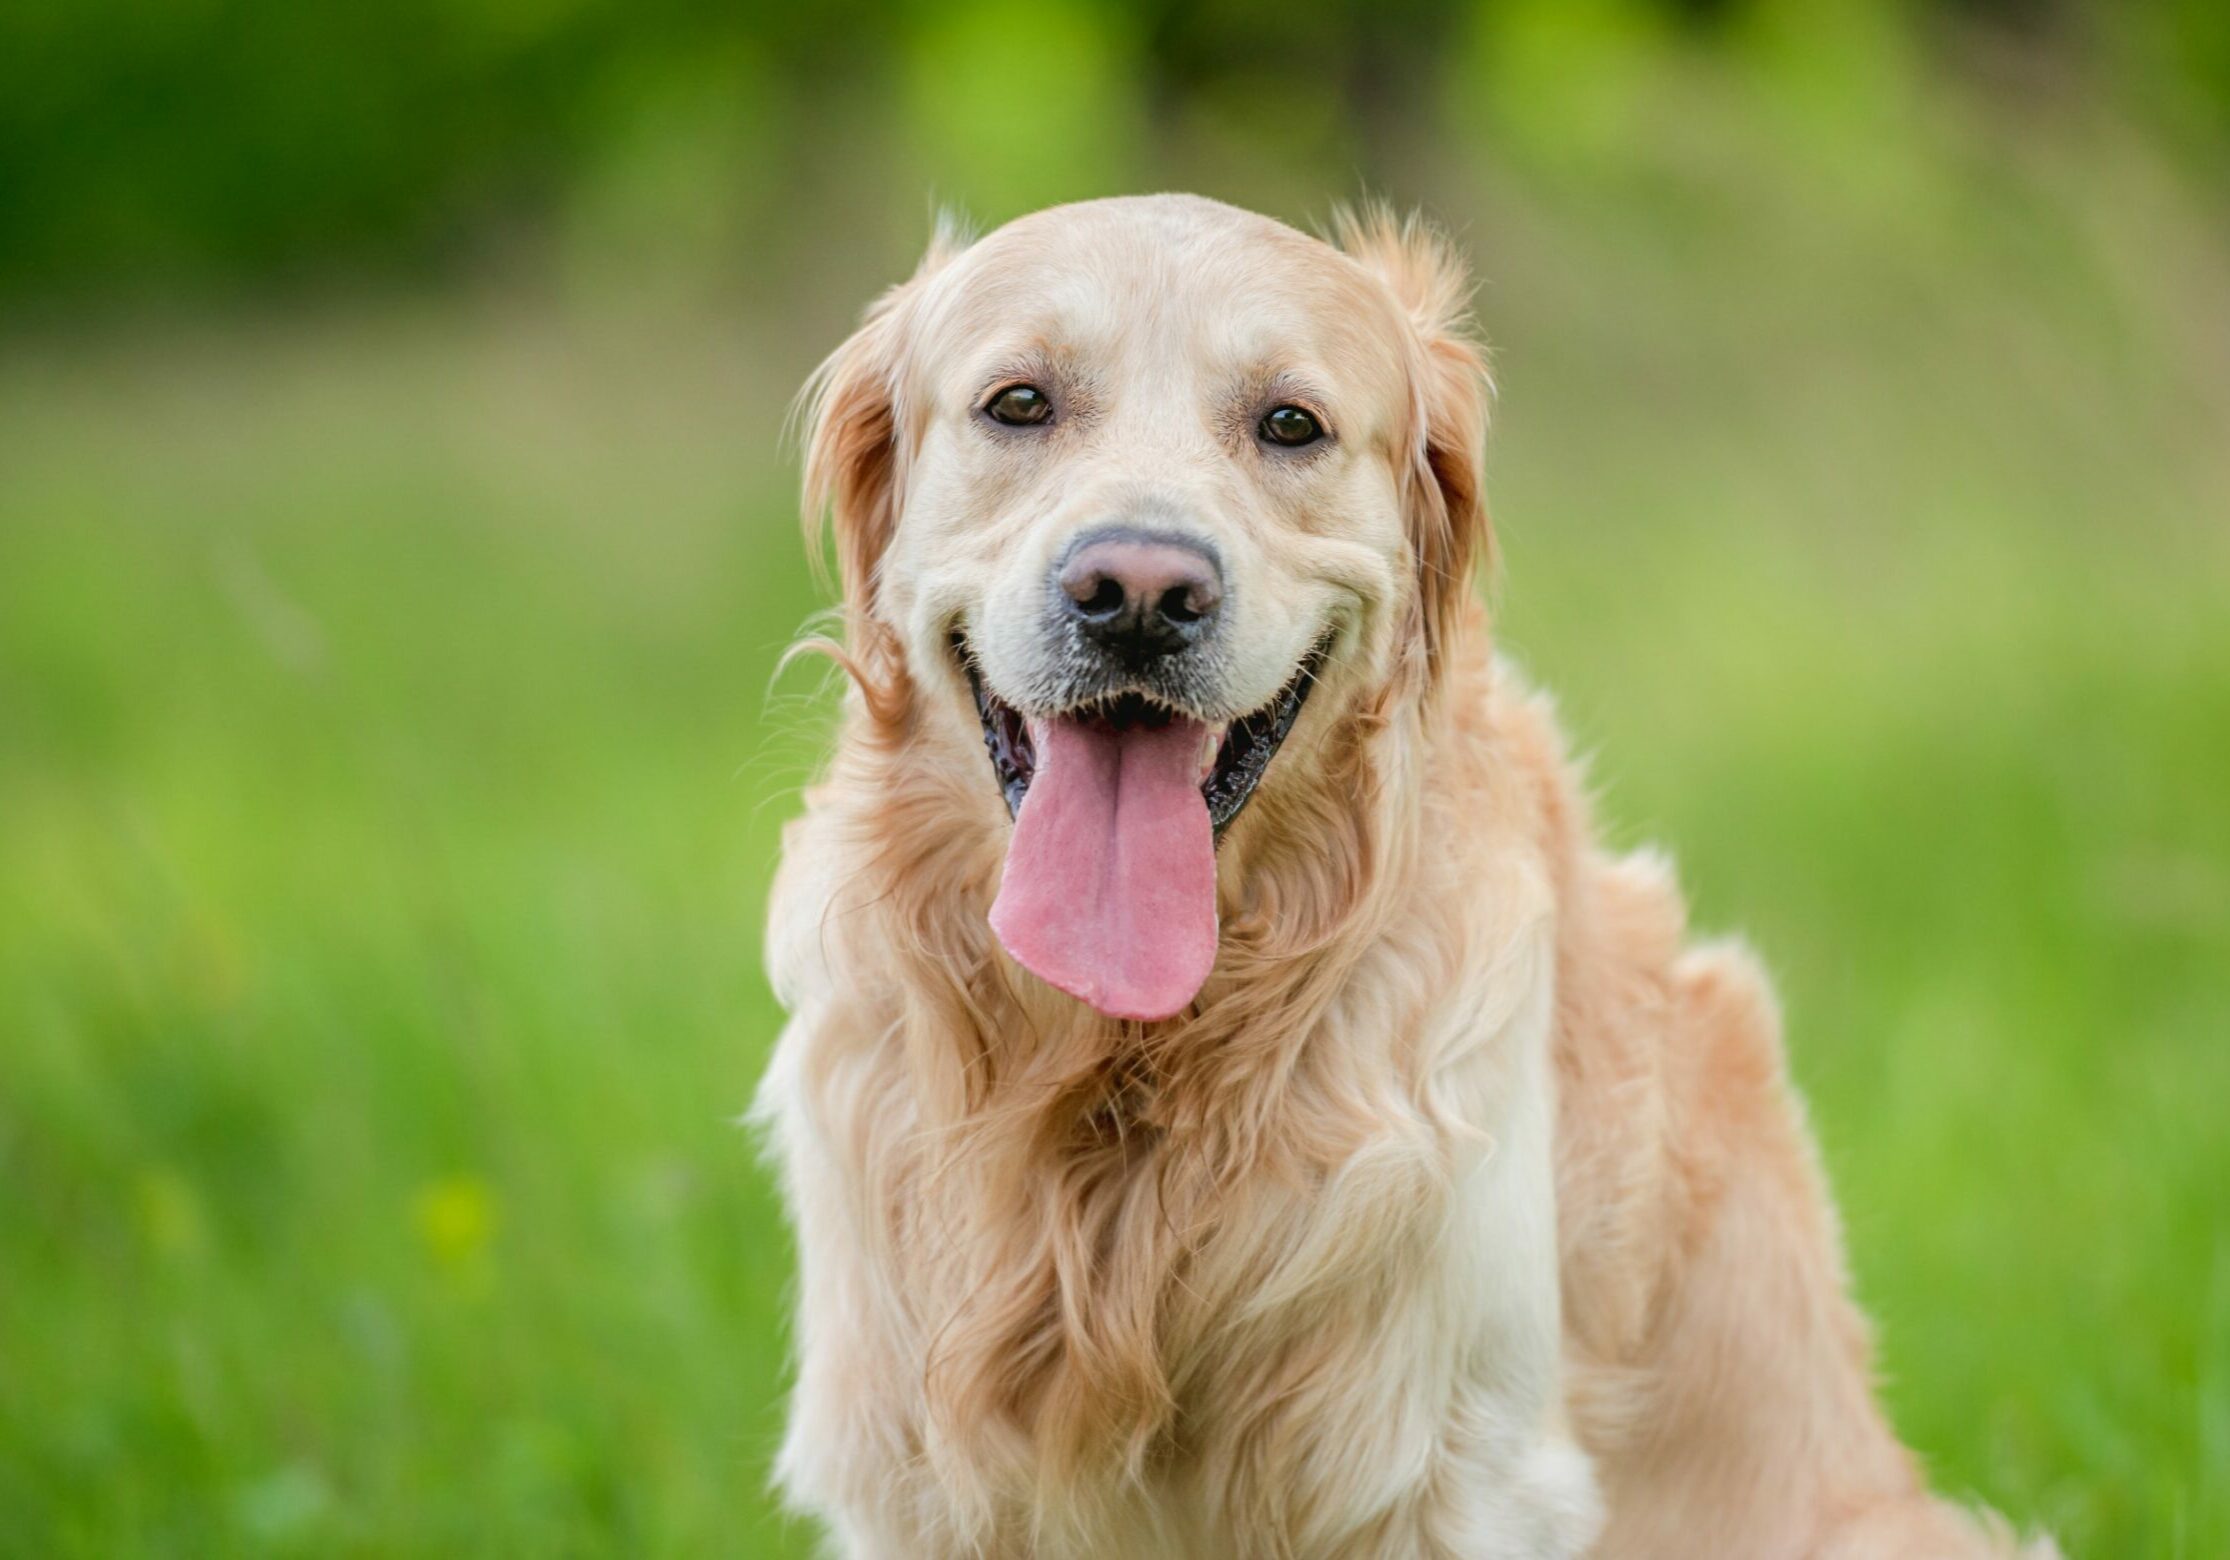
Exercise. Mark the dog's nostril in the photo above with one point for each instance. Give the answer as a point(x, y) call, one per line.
point(1107, 598)
point(1178, 604)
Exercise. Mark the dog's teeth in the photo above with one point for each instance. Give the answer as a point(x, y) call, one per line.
point(1210, 745)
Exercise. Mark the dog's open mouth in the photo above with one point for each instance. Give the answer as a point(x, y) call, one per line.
point(1243, 750)
point(1109, 888)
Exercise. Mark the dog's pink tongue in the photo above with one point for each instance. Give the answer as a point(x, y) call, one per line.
point(1110, 886)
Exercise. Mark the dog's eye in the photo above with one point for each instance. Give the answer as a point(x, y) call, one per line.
point(1289, 426)
point(1020, 406)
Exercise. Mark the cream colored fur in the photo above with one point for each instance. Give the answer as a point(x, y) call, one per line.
point(1467, 1213)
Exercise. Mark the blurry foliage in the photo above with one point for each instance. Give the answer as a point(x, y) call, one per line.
point(1034, 97)
point(194, 145)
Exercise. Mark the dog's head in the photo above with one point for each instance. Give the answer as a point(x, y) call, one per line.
point(1140, 487)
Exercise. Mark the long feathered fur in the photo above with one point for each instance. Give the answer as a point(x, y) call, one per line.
point(1073, 1286)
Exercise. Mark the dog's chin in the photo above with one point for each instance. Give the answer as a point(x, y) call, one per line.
point(1242, 748)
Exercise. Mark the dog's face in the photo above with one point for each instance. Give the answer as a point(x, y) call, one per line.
point(1127, 484)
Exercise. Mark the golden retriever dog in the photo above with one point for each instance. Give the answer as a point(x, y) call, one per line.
point(1231, 1106)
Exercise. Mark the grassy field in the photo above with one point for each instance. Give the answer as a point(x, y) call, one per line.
point(390, 773)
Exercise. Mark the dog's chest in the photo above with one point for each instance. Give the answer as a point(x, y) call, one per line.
point(1153, 1290)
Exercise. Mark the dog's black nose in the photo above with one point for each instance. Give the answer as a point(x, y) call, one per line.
point(1141, 598)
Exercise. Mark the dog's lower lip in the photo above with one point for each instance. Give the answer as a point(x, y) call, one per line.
point(1242, 756)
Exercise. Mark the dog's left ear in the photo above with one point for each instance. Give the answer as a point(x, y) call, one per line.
point(1444, 482)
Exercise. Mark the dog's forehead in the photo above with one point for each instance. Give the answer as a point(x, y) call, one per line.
point(1159, 281)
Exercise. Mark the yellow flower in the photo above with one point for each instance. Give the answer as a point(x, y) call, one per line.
point(456, 1219)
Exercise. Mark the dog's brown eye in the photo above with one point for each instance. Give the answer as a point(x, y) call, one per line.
point(1290, 426)
point(1020, 406)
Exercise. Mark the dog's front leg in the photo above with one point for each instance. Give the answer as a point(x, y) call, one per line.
point(851, 1454)
point(1409, 1403)
point(1505, 1478)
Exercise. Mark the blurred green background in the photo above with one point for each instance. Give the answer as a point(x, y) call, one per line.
point(396, 544)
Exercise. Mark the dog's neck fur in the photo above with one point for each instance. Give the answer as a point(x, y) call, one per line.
point(1067, 1171)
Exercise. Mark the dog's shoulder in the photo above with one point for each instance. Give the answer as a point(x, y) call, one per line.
point(804, 898)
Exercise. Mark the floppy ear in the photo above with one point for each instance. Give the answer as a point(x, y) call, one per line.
point(854, 415)
point(1444, 482)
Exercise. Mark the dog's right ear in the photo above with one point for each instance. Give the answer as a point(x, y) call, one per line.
point(854, 413)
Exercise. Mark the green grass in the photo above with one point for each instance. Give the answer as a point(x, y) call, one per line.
point(389, 780)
